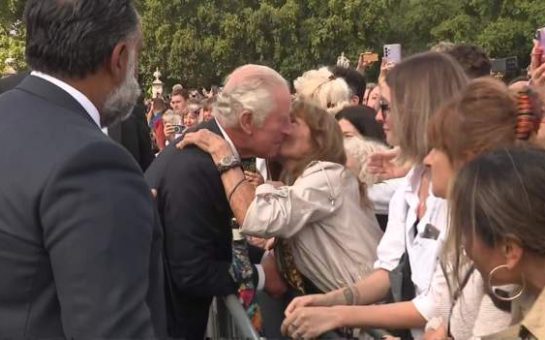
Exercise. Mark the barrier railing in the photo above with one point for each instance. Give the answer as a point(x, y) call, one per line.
point(228, 320)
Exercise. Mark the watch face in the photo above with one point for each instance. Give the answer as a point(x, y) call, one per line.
point(227, 160)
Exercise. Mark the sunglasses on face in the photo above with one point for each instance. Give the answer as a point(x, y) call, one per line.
point(384, 107)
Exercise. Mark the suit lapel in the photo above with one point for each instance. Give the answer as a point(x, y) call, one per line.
point(53, 94)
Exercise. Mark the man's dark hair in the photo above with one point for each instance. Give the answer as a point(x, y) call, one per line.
point(180, 92)
point(73, 38)
point(473, 59)
point(354, 80)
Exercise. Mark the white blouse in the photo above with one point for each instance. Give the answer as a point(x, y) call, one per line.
point(424, 244)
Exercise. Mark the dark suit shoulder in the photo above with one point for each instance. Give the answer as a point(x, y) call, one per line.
point(173, 163)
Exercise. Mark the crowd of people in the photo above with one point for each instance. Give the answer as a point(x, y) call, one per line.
point(411, 207)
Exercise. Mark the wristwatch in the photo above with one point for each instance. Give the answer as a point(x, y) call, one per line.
point(228, 163)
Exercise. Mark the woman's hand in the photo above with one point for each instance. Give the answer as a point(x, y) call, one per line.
point(276, 184)
point(436, 330)
point(385, 67)
point(305, 301)
point(258, 242)
point(254, 178)
point(209, 142)
point(311, 322)
point(170, 131)
point(537, 72)
point(382, 164)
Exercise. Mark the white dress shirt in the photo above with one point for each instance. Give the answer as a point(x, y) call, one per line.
point(89, 107)
point(422, 249)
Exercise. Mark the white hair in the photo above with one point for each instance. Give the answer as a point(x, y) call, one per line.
point(360, 149)
point(323, 88)
point(249, 88)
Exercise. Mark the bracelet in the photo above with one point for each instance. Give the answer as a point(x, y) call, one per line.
point(235, 188)
point(348, 295)
point(351, 295)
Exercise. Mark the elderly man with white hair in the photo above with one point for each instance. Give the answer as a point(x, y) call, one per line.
point(253, 115)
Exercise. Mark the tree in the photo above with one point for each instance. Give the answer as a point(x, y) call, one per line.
point(198, 42)
point(210, 38)
point(12, 34)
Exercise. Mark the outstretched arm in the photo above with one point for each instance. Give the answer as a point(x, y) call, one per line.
point(218, 148)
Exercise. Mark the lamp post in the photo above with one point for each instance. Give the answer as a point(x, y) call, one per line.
point(9, 68)
point(343, 61)
point(157, 85)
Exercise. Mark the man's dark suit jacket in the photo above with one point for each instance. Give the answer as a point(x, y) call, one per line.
point(79, 249)
point(196, 219)
point(134, 134)
point(12, 81)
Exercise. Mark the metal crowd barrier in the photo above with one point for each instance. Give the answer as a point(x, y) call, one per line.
point(228, 320)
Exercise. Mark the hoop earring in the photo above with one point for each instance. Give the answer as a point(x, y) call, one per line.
point(500, 297)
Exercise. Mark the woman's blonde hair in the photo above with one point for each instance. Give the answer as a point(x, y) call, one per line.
point(419, 86)
point(323, 88)
point(325, 134)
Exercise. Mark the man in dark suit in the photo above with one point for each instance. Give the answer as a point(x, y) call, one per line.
point(80, 252)
point(10, 82)
point(134, 134)
point(253, 114)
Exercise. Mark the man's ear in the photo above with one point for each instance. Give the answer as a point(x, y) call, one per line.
point(513, 251)
point(247, 122)
point(119, 61)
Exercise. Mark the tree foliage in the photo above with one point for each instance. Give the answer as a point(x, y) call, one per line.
point(198, 42)
point(11, 34)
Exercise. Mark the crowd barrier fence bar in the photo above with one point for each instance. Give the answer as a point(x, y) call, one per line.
point(228, 320)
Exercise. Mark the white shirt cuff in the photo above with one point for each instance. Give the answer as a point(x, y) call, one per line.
point(261, 277)
point(425, 305)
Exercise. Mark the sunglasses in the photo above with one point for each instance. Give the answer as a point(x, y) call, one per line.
point(384, 107)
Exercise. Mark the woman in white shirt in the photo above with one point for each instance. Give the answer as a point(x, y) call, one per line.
point(413, 91)
point(331, 238)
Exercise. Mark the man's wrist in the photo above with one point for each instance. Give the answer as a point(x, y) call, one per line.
point(221, 153)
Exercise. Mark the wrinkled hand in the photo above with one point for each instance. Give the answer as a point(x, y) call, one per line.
point(382, 164)
point(207, 141)
point(274, 283)
point(311, 322)
point(254, 178)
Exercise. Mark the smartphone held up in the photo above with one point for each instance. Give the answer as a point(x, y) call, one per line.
point(540, 38)
point(392, 53)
